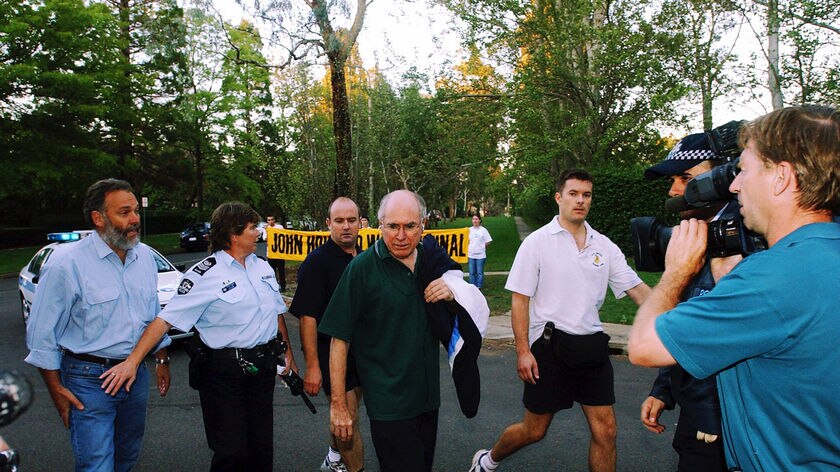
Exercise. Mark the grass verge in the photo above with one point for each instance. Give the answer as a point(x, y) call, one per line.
point(505, 243)
point(12, 260)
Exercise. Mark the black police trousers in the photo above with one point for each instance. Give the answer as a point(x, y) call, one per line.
point(238, 415)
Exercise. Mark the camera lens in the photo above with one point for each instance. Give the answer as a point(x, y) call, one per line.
point(724, 238)
point(650, 240)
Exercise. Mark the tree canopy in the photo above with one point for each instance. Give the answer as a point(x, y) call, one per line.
point(280, 111)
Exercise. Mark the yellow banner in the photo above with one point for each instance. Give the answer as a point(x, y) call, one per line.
point(294, 245)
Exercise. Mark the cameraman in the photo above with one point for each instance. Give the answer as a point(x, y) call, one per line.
point(696, 438)
point(769, 328)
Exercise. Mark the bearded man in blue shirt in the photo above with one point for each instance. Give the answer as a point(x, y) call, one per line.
point(94, 300)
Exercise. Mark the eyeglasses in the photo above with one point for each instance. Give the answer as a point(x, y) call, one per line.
point(408, 228)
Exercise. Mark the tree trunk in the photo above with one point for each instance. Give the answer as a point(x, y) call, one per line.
point(706, 98)
point(199, 177)
point(123, 121)
point(370, 197)
point(343, 182)
point(773, 80)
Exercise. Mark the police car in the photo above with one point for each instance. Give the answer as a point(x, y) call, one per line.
point(169, 276)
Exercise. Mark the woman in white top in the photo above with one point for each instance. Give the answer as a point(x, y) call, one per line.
point(477, 251)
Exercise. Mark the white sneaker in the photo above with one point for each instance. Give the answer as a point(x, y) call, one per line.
point(476, 461)
point(337, 466)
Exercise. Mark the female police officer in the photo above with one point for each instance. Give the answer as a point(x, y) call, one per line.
point(233, 301)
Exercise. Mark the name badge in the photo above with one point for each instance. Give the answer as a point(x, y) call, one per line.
point(229, 287)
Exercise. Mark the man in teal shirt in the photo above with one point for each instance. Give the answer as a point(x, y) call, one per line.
point(378, 312)
point(769, 328)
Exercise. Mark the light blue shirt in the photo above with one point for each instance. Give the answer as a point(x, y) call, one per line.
point(89, 302)
point(229, 305)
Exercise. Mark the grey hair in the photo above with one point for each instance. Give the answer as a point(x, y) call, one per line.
point(421, 205)
point(96, 193)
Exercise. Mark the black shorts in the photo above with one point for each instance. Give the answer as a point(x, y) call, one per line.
point(559, 386)
point(351, 380)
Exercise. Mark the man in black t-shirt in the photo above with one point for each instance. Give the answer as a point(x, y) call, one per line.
point(317, 278)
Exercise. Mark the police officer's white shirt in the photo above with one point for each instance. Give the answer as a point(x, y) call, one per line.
point(567, 285)
point(479, 237)
point(229, 305)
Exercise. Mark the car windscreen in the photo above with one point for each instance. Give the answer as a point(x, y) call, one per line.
point(162, 264)
point(39, 260)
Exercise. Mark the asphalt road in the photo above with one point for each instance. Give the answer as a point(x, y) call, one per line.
point(175, 436)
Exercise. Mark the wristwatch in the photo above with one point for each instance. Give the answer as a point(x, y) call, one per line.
point(162, 360)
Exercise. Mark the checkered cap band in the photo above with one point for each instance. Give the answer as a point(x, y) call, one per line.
point(694, 147)
point(690, 151)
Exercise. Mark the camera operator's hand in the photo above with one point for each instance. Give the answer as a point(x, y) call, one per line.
point(686, 251)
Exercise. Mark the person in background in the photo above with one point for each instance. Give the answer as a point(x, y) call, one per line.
point(477, 251)
point(317, 278)
point(233, 301)
point(277, 265)
point(364, 222)
point(93, 301)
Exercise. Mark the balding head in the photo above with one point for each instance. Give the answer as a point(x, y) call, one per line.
point(343, 223)
point(401, 220)
point(406, 197)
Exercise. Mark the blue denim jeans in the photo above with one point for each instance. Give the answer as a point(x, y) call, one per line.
point(476, 271)
point(108, 434)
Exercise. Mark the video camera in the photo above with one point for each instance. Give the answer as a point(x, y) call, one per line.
point(727, 233)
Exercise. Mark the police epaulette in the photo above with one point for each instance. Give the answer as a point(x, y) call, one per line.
point(204, 265)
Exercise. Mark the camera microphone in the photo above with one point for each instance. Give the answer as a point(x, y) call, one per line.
point(676, 204)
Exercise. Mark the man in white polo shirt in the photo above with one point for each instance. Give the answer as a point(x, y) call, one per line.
point(559, 280)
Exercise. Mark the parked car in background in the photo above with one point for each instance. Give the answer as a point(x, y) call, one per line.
point(196, 237)
point(169, 275)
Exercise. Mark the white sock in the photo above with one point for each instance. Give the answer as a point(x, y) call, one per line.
point(333, 455)
point(488, 463)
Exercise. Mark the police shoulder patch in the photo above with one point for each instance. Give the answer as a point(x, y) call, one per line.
point(185, 286)
point(204, 265)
